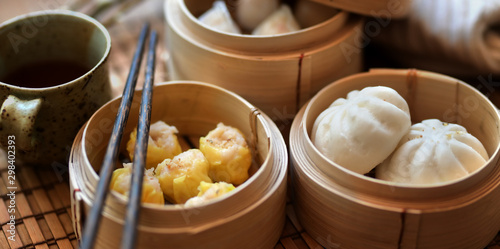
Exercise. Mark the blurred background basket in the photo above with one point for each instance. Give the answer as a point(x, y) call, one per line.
point(275, 73)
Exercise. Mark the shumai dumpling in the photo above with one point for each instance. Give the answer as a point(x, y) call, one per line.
point(218, 17)
point(280, 21)
point(250, 13)
point(180, 177)
point(433, 152)
point(162, 144)
point(228, 154)
point(209, 191)
point(151, 190)
point(359, 132)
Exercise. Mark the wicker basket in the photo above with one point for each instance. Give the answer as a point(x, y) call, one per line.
point(252, 216)
point(340, 208)
point(276, 73)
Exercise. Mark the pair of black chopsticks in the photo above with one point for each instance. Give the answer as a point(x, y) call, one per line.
point(132, 215)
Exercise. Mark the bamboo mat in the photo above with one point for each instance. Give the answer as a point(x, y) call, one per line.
point(43, 213)
point(43, 207)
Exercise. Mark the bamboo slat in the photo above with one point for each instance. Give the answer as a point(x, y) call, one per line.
point(41, 214)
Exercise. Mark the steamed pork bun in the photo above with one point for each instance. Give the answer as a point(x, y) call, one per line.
point(359, 132)
point(433, 152)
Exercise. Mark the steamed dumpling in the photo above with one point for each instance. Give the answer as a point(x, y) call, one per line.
point(309, 13)
point(228, 154)
point(433, 152)
point(250, 13)
point(180, 177)
point(151, 190)
point(359, 132)
point(209, 191)
point(280, 22)
point(218, 17)
point(162, 144)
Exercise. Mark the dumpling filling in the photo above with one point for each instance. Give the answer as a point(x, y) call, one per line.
point(208, 192)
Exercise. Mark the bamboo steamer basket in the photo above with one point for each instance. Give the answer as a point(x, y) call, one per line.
point(251, 216)
point(387, 9)
point(342, 209)
point(276, 73)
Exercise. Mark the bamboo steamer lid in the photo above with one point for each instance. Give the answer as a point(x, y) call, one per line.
point(388, 9)
point(342, 209)
point(276, 73)
point(251, 216)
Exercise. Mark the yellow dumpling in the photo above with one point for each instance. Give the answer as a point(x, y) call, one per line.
point(209, 191)
point(180, 177)
point(228, 154)
point(151, 190)
point(162, 144)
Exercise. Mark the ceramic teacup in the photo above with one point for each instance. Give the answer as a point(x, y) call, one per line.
point(53, 76)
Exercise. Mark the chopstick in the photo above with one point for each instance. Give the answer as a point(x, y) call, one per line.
point(92, 224)
point(140, 151)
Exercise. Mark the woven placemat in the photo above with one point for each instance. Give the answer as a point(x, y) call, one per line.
point(41, 213)
point(36, 202)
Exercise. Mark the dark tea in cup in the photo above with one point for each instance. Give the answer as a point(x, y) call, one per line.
point(45, 74)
